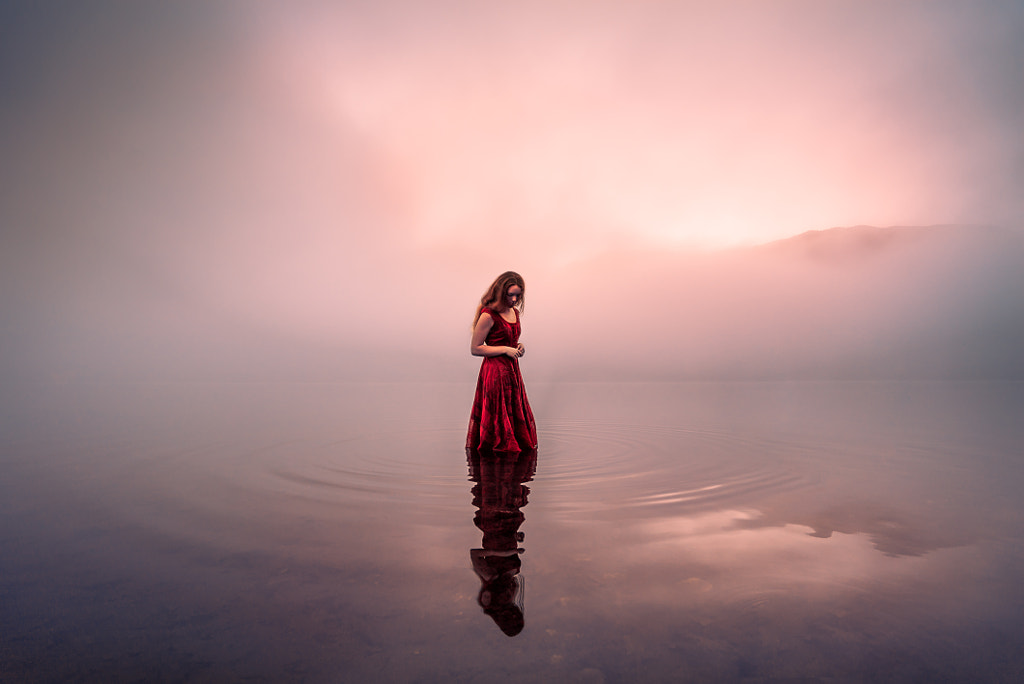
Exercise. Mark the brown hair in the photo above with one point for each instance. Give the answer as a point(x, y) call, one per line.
point(495, 294)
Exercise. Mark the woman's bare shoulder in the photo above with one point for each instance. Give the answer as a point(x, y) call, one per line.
point(485, 320)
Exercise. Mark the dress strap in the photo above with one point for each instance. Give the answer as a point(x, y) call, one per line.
point(497, 316)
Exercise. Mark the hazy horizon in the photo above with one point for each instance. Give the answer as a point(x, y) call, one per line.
point(842, 304)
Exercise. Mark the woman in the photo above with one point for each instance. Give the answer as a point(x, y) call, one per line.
point(501, 419)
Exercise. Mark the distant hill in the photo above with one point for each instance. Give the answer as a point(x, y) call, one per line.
point(938, 302)
point(865, 241)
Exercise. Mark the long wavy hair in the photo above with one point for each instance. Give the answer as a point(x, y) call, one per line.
point(495, 294)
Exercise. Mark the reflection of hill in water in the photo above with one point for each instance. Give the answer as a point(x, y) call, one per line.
point(848, 303)
point(894, 533)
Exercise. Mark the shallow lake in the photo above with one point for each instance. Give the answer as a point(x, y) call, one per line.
point(662, 532)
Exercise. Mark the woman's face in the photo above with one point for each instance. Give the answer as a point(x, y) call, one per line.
point(512, 295)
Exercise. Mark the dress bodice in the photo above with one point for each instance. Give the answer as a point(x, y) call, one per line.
point(503, 333)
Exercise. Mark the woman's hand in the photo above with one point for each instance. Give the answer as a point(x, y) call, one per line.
point(513, 352)
point(522, 350)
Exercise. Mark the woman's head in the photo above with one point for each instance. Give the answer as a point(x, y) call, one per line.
point(498, 294)
point(502, 599)
point(508, 290)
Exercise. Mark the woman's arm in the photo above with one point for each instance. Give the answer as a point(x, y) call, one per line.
point(480, 332)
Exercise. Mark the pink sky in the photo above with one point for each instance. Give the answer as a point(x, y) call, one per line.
point(661, 123)
point(308, 167)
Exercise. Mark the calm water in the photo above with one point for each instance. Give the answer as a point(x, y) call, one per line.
point(694, 532)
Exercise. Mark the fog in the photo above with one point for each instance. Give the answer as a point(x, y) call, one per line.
point(257, 192)
point(856, 303)
point(853, 303)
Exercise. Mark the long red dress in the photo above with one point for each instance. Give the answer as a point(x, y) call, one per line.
point(501, 419)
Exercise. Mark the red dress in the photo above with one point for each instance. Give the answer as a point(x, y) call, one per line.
point(501, 419)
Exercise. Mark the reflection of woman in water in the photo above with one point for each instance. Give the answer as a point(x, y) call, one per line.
point(501, 419)
point(499, 494)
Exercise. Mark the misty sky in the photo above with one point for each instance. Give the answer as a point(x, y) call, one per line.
point(333, 170)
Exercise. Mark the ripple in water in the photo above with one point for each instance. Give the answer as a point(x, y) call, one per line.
point(423, 466)
point(630, 469)
point(597, 467)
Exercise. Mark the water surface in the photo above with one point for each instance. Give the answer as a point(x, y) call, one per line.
point(338, 532)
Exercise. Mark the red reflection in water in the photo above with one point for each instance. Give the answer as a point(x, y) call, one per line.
point(499, 495)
